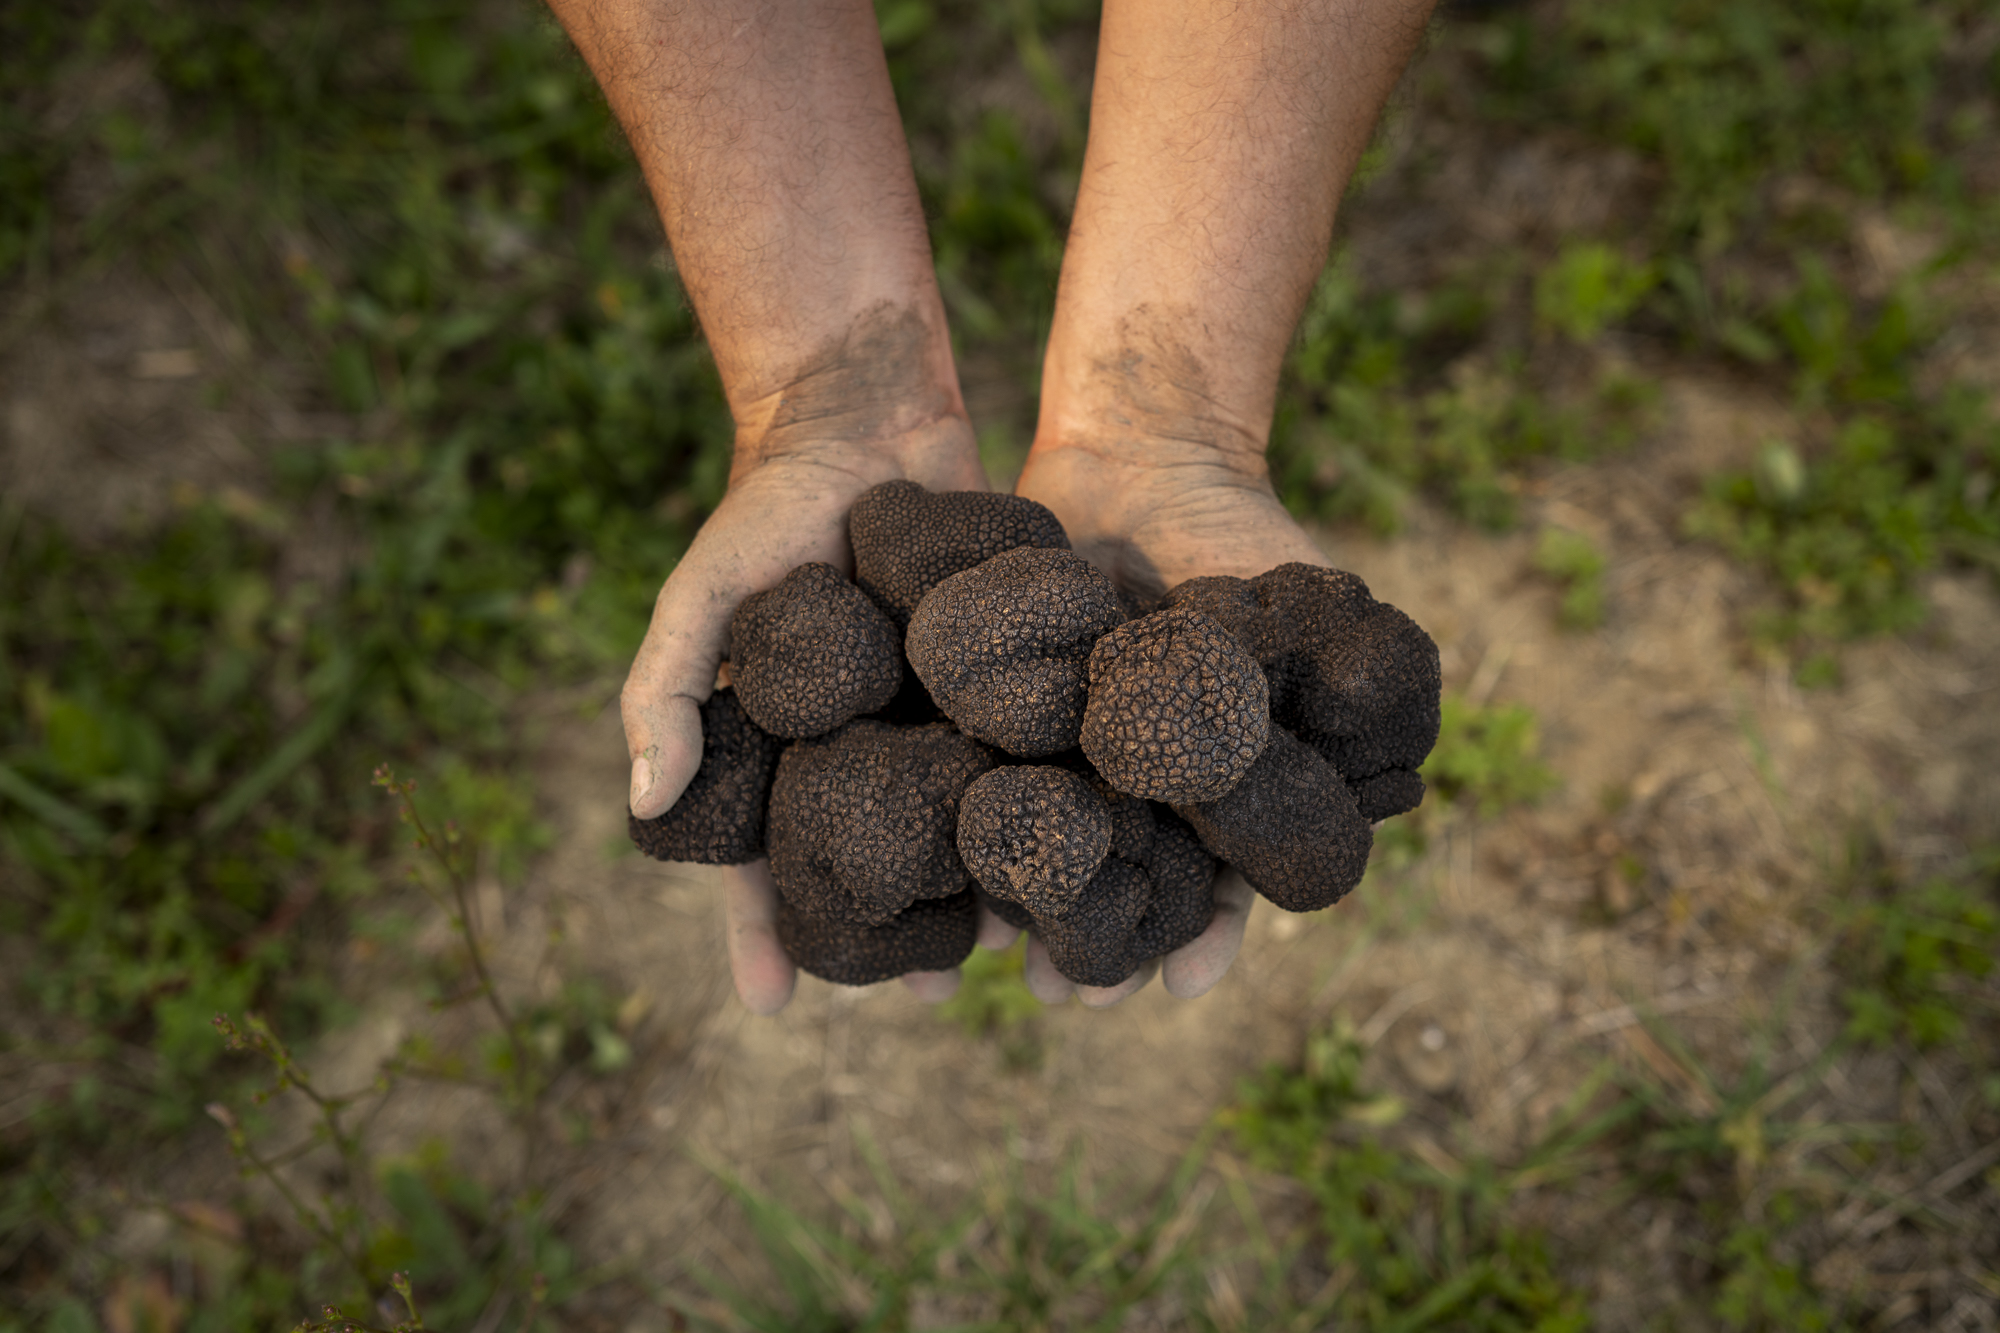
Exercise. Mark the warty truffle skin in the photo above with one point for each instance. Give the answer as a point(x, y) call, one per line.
point(812, 653)
point(1355, 678)
point(1002, 647)
point(1183, 877)
point(719, 819)
point(1152, 894)
point(864, 822)
point(1291, 826)
point(1178, 709)
point(1092, 943)
point(907, 540)
point(929, 935)
point(1033, 835)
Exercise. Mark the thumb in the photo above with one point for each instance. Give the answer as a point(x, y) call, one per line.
point(671, 678)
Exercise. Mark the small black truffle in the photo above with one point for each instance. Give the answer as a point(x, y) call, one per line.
point(1002, 647)
point(907, 540)
point(719, 819)
point(864, 822)
point(1354, 678)
point(929, 935)
point(1151, 894)
point(1033, 835)
point(1178, 708)
point(1092, 943)
point(1291, 826)
point(812, 653)
point(1183, 878)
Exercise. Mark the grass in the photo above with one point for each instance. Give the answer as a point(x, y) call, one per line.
point(438, 251)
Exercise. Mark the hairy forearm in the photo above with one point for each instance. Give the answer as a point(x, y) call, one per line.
point(1222, 136)
point(768, 134)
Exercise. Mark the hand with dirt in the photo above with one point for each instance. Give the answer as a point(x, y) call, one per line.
point(1222, 136)
point(784, 507)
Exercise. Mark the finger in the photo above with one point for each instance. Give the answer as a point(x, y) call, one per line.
point(932, 987)
point(993, 932)
point(737, 552)
point(1044, 982)
point(764, 975)
point(671, 678)
point(1194, 968)
point(1103, 997)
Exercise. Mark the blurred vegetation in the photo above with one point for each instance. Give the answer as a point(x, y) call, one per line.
point(421, 216)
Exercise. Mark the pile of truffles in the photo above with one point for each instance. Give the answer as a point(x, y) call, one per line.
point(980, 716)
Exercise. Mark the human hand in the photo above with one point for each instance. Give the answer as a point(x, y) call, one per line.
point(1150, 527)
point(785, 506)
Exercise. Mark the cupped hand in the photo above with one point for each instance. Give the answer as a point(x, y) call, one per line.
point(1149, 528)
point(777, 514)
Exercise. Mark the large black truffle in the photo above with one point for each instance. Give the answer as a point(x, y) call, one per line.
point(929, 935)
point(719, 819)
point(1178, 708)
point(812, 653)
point(907, 540)
point(1033, 835)
point(1002, 647)
point(1353, 677)
point(1291, 826)
point(864, 822)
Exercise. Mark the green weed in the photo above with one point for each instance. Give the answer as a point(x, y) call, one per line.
point(1848, 531)
point(1386, 401)
point(993, 1001)
point(421, 1228)
point(1486, 757)
point(1726, 96)
point(1574, 562)
point(1588, 288)
point(1012, 1257)
point(1410, 1247)
point(1921, 959)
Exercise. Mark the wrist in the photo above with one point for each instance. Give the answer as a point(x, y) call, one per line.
point(877, 402)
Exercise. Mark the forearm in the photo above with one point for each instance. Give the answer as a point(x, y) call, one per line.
point(768, 134)
point(1222, 137)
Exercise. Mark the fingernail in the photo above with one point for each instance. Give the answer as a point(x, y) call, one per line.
point(642, 780)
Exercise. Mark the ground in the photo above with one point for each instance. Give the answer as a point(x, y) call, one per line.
point(1667, 911)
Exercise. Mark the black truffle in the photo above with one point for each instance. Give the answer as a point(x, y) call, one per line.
point(1291, 826)
point(907, 540)
point(719, 819)
point(1183, 878)
point(864, 822)
point(929, 935)
point(1353, 677)
point(812, 653)
point(1092, 943)
point(1033, 835)
point(1151, 894)
point(1002, 647)
point(1178, 709)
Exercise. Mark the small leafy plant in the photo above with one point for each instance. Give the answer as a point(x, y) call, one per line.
point(1487, 757)
point(1574, 562)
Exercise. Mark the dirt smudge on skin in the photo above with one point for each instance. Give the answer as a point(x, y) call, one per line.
point(1155, 388)
point(879, 379)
